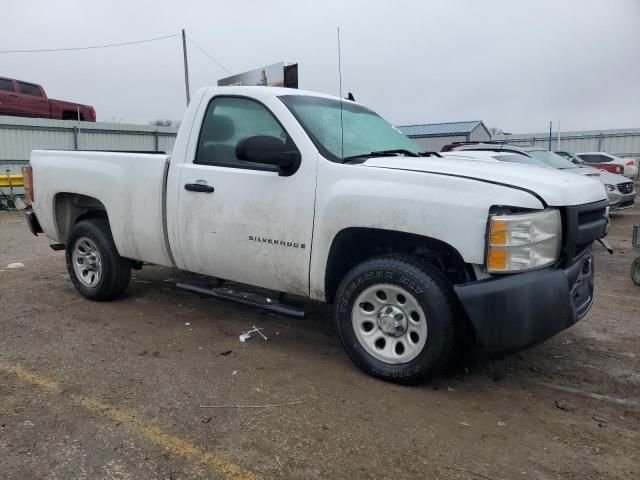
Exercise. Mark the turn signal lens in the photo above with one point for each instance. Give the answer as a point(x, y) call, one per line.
point(498, 234)
point(497, 260)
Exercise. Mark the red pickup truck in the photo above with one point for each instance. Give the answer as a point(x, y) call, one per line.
point(24, 99)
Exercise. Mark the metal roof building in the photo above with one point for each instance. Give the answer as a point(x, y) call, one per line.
point(434, 136)
point(19, 136)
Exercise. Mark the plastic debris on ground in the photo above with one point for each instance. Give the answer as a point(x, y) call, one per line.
point(250, 333)
point(15, 265)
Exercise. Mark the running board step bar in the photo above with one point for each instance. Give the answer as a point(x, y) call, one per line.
point(245, 298)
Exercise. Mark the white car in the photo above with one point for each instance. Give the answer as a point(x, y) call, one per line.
point(312, 195)
point(604, 159)
point(620, 190)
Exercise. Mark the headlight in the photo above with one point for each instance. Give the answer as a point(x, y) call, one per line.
point(610, 188)
point(524, 241)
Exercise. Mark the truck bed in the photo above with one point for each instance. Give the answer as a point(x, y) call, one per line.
point(131, 187)
point(61, 109)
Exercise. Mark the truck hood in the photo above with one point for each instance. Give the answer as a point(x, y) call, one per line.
point(555, 187)
point(602, 175)
point(588, 171)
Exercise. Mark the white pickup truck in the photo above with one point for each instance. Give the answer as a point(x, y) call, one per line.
point(311, 195)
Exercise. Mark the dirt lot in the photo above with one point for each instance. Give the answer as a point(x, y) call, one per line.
point(114, 390)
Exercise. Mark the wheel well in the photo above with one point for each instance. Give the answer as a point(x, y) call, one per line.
point(71, 115)
point(354, 245)
point(70, 208)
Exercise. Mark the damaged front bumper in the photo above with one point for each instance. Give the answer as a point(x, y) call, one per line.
point(510, 313)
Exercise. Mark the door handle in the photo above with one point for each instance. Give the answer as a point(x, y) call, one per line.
point(198, 187)
point(13, 95)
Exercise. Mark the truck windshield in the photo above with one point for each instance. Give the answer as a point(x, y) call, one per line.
point(552, 159)
point(571, 157)
point(364, 131)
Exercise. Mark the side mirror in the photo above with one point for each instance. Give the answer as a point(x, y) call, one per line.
point(268, 150)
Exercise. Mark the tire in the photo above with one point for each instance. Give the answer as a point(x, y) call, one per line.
point(96, 269)
point(635, 271)
point(421, 318)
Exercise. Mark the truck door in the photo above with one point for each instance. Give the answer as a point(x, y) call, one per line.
point(32, 101)
point(8, 97)
point(239, 220)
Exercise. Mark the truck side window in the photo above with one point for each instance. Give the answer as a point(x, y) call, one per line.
point(29, 89)
point(6, 85)
point(227, 121)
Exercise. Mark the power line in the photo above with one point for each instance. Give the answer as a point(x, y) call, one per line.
point(210, 56)
point(89, 47)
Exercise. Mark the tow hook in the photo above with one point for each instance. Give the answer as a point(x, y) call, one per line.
point(605, 243)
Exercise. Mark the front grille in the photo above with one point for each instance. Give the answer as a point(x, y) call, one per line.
point(582, 225)
point(626, 187)
point(588, 216)
point(622, 205)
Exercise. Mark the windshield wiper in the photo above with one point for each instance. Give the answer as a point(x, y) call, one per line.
point(382, 153)
point(398, 151)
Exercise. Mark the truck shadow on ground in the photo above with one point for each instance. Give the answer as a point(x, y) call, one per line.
point(316, 334)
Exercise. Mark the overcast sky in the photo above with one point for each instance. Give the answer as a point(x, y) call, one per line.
point(514, 64)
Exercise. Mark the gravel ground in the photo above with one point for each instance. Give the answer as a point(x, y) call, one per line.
point(115, 390)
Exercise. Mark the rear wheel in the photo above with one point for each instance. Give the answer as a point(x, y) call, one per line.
point(395, 316)
point(96, 269)
point(635, 271)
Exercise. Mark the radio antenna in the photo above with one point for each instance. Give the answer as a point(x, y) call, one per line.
point(340, 94)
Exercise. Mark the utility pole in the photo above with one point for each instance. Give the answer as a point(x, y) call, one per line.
point(550, 130)
point(558, 146)
point(186, 65)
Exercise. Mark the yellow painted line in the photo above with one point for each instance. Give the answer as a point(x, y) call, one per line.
point(44, 384)
point(177, 446)
point(173, 444)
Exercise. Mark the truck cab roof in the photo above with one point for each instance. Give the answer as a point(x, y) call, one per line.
point(263, 92)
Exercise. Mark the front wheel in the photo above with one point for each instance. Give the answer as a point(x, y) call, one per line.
point(395, 316)
point(96, 268)
point(635, 271)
